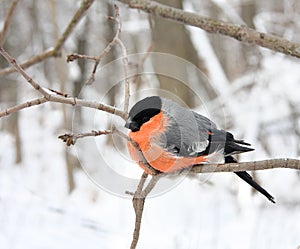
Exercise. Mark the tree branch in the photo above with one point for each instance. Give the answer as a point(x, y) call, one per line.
point(71, 138)
point(238, 32)
point(138, 205)
point(115, 41)
point(287, 163)
point(7, 21)
point(85, 5)
point(138, 202)
point(52, 52)
point(58, 97)
point(19, 107)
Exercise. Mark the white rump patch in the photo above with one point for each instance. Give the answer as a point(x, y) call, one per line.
point(215, 158)
point(197, 147)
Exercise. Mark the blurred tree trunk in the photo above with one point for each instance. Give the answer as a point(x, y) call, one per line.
point(248, 12)
point(227, 50)
point(108, 34)
point(9, 94)
point(173, 38)
point(60, 72)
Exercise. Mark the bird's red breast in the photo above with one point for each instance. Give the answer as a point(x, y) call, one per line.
point(159, 158)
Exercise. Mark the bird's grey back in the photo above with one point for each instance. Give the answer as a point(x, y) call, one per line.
point(189, 130)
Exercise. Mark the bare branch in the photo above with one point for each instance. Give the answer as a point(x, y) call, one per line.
point(238, 32)
point(13, 62)
point(61, 98)
point(75, 56)
point(109, 46)
point(7, 21)
point(105, 51)
point(247, 166)
point(138, 205)
point(19, 107)
point(71, 138)
point(52, 52)
point(118, 41)
point(33, 60)
point(97, 59)
point(127, 85)
point(138, 202)
point(85, 5)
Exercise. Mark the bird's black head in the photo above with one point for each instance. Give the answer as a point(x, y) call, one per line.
point(142, 111)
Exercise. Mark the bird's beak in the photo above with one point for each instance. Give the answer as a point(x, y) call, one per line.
point(128, 123)
point(132, 125)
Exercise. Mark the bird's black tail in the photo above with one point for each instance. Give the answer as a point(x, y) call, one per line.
point(247, 178)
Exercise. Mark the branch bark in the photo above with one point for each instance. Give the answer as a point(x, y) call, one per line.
point(138, 202)
point(19, 107)
point(238, 32)
point(287, 163)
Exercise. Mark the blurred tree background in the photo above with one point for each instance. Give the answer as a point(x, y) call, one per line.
point(252, 91)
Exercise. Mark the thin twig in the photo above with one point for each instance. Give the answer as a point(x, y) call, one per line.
point(84, 6)
point(75, 56)
point(126, 80)
point(27, 104)
point(138, 204)
point(14, 63)
point(53, 52)
point(246, 166)
point(115, 41)
point(7, 21)
point(71, 138)
point(61, 98)
point(238, 32)
point(124, 58)
point(106, 50)
point(138, 193)
point(109, 46)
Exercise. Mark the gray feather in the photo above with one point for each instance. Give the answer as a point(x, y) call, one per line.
point(189, 133)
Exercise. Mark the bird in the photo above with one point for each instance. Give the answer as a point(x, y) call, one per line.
point(172, 138)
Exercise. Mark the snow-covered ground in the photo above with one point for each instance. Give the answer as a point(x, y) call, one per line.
point(216, 211)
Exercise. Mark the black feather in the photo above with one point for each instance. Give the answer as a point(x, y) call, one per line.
point(232, 145)
point(247, 178)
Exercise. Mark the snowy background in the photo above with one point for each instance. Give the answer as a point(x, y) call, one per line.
point(261, 105)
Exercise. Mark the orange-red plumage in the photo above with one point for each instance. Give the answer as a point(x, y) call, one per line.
point(155, 155)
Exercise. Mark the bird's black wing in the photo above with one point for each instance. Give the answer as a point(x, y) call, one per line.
point(196, 135)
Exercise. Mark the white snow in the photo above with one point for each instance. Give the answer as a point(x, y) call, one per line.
point(206, 211)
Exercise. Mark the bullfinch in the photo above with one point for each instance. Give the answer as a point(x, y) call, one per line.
point(173, 138)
